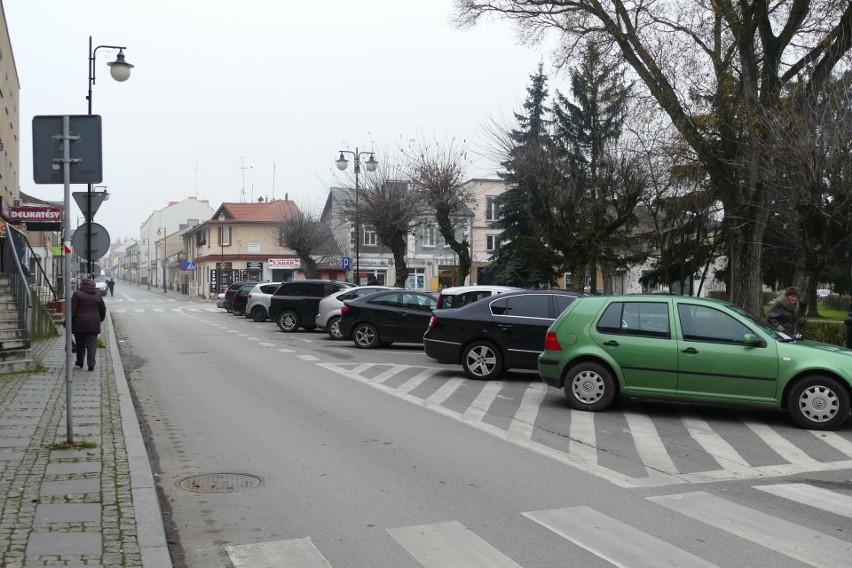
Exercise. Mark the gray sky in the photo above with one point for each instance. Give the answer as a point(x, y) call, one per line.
point(278, 83)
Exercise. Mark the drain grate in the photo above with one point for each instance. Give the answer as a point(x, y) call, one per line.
point(220, 482)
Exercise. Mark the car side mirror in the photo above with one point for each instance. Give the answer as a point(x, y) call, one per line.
point(751, 339)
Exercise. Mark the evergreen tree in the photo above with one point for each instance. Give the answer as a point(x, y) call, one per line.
point(522, 259)
point(593, 206)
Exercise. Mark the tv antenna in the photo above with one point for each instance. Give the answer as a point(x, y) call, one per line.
point(244, 167)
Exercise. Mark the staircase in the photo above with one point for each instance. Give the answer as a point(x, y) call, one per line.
point(15, 353)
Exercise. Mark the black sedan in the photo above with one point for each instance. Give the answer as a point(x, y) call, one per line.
point(497, 333)
point(385, 317)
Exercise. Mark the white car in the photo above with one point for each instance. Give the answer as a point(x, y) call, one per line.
point(458, 296)
point(328, 316)
point(220, 300)
point(101, 284)
point(257, 303)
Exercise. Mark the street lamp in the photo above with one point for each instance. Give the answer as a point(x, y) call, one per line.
point(371, 164)
point(120, 71)
point(222, 245)
point(148, 242)
point(162, 230)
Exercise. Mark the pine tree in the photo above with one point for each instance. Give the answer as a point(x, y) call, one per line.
point(522, 259)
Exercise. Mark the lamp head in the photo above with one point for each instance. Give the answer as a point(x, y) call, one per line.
point(221, 216)
point(371, 163)
point(120, 69)
point(341, 162)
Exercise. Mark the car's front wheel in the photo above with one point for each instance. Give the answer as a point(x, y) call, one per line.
point(589, 386)
point(365, 336)
point(818, 403)
point(482, 361)
point(288, 321)
point(258, 313)
point(333, 327)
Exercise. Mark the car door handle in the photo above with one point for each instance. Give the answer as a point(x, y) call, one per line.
point(611, 343)
point(504, 326)
point(689, 350)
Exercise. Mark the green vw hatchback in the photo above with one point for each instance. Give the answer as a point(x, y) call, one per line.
point(692, 350)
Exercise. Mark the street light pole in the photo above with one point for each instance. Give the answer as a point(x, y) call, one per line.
point(222, 246)
point(165, 257)
point(149, 263)
point(120, 71)
point(371, 167)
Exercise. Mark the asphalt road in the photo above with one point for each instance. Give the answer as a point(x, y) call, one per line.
point(383, 458)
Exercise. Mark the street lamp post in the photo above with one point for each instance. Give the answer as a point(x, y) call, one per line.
point(222, 246)
point(371, 164)
point(148, 241)
point(162, 230)
point(120, 71)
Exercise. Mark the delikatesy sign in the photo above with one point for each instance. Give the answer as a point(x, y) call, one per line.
point(35, 214)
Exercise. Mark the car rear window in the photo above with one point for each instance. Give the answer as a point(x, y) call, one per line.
point(650, 319)
point(531, 306)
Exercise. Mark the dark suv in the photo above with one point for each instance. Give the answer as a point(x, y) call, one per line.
point(230, 293)
point(238, 301)
point(296, 303)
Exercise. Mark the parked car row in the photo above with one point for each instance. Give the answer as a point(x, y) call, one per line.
point(595, 348)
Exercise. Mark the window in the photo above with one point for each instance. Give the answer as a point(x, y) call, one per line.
point(225, 236)
point(492, 242)
point(532, 306)
point(562, 303)
point(650, 319)
point(708, 324)
point(492, 208)
point(429, 232)
point(369, 237)
point(386, 300)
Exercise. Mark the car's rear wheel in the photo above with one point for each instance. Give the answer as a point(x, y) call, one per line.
point(333, 327)
point(238, 310)
point(482, 361)
point(365, 336)
point(589, 386)
point(258, 313)
point(818, 403)
point(288, 321)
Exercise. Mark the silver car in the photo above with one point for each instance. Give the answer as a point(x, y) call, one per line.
point(328, 317)
point(257, 303)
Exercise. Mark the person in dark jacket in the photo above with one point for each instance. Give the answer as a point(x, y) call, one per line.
point(783, 314)
point(87, 312)
point(111, 286)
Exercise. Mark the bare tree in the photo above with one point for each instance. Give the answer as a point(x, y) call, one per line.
point(808, 161)
point(390, 206)
point(716, 68)
point(438, 172)
point(308, 238)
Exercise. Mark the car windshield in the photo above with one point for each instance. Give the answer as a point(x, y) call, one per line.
point(101, 278)
point(757, 322)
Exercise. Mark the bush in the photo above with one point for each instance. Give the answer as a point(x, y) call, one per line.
point(837, 302)
point(831, 332)
point(768, 297)
point(718, 294)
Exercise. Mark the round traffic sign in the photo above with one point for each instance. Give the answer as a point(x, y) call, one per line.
point(100, 241)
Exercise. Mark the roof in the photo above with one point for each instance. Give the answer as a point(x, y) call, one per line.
point(261, 212)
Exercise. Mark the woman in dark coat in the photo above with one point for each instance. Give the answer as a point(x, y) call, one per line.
point(783, 314)
point(87, 312)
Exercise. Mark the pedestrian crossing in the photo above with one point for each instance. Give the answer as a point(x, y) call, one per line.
point(584, 529)
point(632, 446)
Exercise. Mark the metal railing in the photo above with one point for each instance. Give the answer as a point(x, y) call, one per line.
point(25, 278)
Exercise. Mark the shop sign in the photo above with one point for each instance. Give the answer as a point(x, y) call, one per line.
point(254, 265)
point(278, 263)
point(35, 214)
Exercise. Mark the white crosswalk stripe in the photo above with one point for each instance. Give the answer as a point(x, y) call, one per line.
point(296, 553)
point(449, 545)
point(614, 541)
point(812, 496)
point(796, 541)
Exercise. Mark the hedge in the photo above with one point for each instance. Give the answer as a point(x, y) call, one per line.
point(831, 332)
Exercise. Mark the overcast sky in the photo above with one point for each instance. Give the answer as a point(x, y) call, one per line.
point(261, 84)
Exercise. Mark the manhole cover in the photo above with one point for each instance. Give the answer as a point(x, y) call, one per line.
point(220, 482)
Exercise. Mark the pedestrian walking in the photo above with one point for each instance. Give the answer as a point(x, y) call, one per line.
point(87, 312)
point(784, 313)
point(111, 285)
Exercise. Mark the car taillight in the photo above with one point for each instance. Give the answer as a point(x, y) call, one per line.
point(432, 321)
point(249, 296)
point(551, 343)
point(344, 310)
point(440, 303)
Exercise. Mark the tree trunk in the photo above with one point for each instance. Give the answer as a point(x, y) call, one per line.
point(804, 278)
point(744, 265)
point(401, 269)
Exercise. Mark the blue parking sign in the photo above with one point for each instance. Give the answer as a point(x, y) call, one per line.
point(346, 263)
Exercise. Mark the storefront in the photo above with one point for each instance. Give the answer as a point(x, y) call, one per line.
point(373, 271)
point(284, 269)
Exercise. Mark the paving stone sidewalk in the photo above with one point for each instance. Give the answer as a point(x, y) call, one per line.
point(92, 507)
